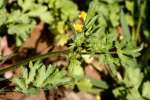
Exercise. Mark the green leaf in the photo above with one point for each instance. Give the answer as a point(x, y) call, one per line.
point(17, 17)
point(127, 61)
point(91, 12)
point(51, 3)
point(42, 12)
point(75, 69)
point(25, 75)
point(61, 39)
point(37, 10)
point(109, 1)
point(3, 17)
point(145, 90)
point(33, 71)
point(40, 77)
point(56, 79)
point(43, 1)
point(130, 20)
point(91, 22)
point(129, 5)
point(22, 31)
point(79, 39)
point(49, 70)
point(25, 4)
point(60, 27)
point(68, 9)
point(133, 77)
point(2, 3)
point(99, 83)
point(46, 17)
point(20, 83)
point(134, 95)
point(124, 24)
point(85, 85)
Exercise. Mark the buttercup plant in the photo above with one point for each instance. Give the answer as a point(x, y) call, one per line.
point(96, 39)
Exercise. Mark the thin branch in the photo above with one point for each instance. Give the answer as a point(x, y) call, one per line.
point(12, 67)
point(24, 62)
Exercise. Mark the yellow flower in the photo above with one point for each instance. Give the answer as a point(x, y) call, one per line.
point(83, 15)
point(78, 27)
point(98, 97)
point(78, 24)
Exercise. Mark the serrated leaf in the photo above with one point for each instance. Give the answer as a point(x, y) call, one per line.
point(22, 31)
point(56, 79)
point(41, 76)
point(20, 83)
point(25, 75)
point(17, 17)
point(133, 81)
point(134, 95)
point(49, 71)
point(46, 17)
point(37, 11)
point(127, 61)
point(26, 4)
point(38, 77)
point(33, 71)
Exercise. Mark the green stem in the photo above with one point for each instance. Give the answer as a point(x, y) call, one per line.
point(12, 67)
point(142, 13)
point(5, 58)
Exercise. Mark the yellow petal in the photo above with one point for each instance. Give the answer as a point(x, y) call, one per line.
point(78, 27)
point(98, 97)
point(83, 15)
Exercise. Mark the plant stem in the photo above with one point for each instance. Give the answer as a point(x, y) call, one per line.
point(12, 67)
point(142, 14)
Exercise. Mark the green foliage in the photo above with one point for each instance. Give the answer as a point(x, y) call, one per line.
point(21, 25)
point(131, 89)
point(85, 85)
point(76, 72)
point(103, 38)
point(3, 14)
point(100, 39)
point(74, 68)
point(145, 91)
point(22, 17)
point(37, 76)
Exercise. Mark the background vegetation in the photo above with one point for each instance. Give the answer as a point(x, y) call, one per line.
point(100, 47)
